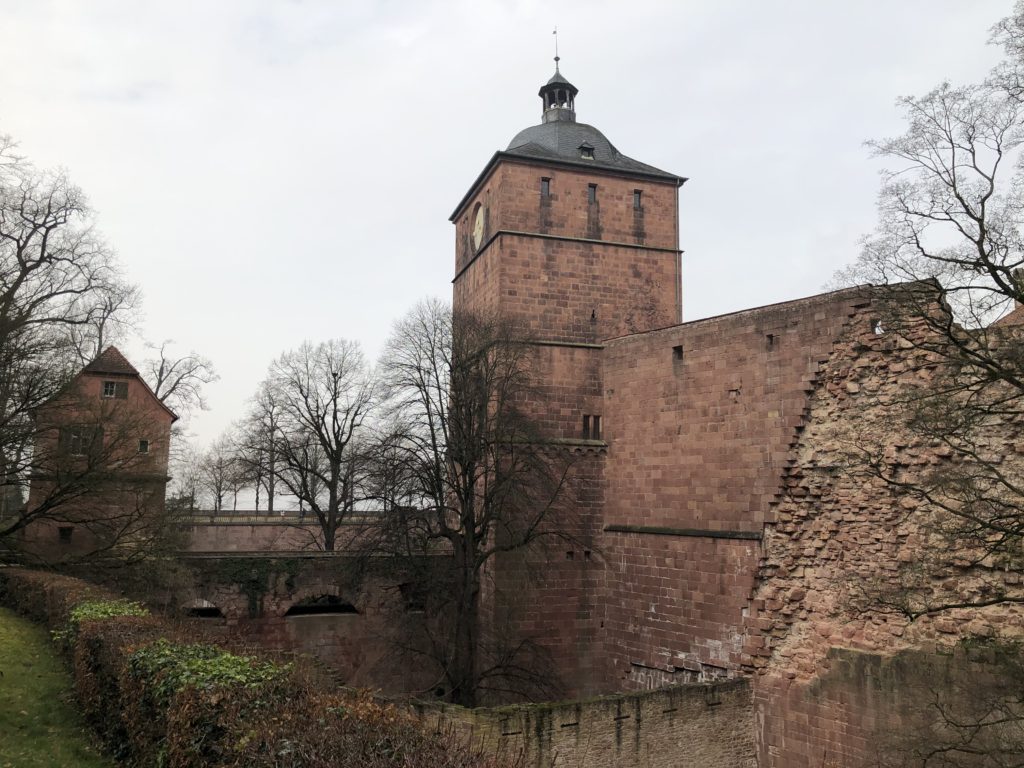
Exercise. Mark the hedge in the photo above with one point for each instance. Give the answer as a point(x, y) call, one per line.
point(156, 697)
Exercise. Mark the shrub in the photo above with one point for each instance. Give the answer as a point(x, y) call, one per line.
point(96, 610)
point(159, 700)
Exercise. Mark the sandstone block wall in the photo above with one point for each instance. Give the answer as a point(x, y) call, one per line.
point(840, 545)
point(699, 420)
point(703, 726)
point(557, 262)
point(365, 648)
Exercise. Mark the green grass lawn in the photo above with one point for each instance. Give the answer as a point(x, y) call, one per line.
point(39, 724)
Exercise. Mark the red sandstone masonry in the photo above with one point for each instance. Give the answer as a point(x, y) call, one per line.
point(693, 726)
point(834, 531)
point(700, 442)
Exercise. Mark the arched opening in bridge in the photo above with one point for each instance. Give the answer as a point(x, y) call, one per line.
point(319, 606)
point(204, 609)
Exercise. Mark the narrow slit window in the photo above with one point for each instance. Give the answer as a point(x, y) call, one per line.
point(586, 427)
point(596, 428)
point(637, 199)
point(592, 193)
point(545, 187)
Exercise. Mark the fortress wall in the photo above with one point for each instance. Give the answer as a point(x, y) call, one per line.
point(699, 422)
point(267, 535)
point(837, 677)
point(693, 726)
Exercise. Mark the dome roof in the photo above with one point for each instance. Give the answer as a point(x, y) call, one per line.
point(566, 140)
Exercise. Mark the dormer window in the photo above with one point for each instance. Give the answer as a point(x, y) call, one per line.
point(587, 150)
point(115, 389)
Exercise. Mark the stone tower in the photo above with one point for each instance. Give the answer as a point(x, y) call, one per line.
point(579, 243)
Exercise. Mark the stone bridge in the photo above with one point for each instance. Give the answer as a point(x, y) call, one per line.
point(352, 613)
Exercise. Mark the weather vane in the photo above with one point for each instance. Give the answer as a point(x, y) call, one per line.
point(555, 33)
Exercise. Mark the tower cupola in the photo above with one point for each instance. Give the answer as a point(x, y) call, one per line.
point(559, 97)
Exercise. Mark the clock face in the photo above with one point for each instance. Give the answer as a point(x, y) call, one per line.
point(478, 226)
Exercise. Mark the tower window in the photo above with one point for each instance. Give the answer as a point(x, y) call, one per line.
point(677, 352)
point(592, 193)
point(545, 187)
point(115, 389)
point(637, 198)
point(591, 427)
point(586, 151)
point(64, 532)
point(143, 446)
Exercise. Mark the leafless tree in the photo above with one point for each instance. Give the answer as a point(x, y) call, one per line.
point(325, 394)
point(59, 283)
point(947, 257)
point(946, 264)
point(256, 444)
point(220, 471)
point(471, 479)
point(186, 477)
point(178, 380)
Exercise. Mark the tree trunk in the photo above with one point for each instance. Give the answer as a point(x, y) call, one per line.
point(463, 675)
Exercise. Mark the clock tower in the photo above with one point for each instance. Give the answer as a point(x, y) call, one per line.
point(578, 243)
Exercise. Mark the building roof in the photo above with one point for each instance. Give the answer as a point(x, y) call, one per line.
point(110, 360)
point(561, 140)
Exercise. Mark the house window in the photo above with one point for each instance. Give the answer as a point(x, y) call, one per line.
point(143, 446)
point(81, 441)
point(115, 389)
point(637, 199)
point(78, 440)
point(592, 193)
point(545, 187)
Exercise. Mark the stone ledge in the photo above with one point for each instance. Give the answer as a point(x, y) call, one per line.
point(701, 533)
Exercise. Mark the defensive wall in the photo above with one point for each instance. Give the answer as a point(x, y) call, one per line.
point(735, 541)
point(702, 726)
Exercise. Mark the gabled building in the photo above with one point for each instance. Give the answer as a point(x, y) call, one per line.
point(100, 463)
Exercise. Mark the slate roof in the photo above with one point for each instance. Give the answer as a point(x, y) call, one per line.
point(561, 139)
point(110, 360)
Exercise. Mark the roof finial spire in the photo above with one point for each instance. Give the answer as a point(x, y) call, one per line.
point(557, 59)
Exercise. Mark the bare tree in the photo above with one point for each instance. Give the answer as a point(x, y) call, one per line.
point(58, 280)
point(946, 259)
point(945, 264)
point(219, 471)
point(178, 381)
point(325, 393)
point(472, 479)
point(186, 477)
point(256, 444)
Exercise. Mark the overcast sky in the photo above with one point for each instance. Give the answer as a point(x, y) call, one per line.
point(270, 172)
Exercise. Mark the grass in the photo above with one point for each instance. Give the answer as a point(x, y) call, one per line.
point(40, 726)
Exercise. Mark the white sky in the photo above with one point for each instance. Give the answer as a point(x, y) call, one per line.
point(270, 172)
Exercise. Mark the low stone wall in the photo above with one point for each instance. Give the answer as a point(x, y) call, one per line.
point(704, 726)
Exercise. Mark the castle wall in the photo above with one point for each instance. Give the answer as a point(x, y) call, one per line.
point(840, 672)
point(694, 726)
point(699, 420)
